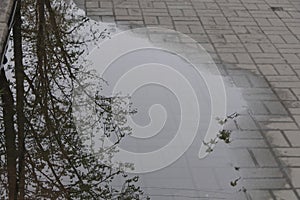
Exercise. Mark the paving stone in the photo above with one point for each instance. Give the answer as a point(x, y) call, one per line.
point(159, 4)
point(282, 78)
point(250, 67)
point(253, 48)
point(238, 134)
point(257, 108)
point(252, 38)
point(245, 143)
point(93, 4)
point(296, 91)
point(267, 70)
point(176, 12)
point(262, 21)
point(182, 28)
point(165, 20)
point(228, 58)
point(242, 158)
point(162, 12)
point(255, 30)
point(127, 4)
point(291, 58)
point(297, 119)
point(121, 11)
point(275, 107)
point(276, 39)
point(241, 81)
point(296, 66)
point(258, 94)
point(231, 38)
point(278, 126)
point(209, 13)
point(288, 48)
point(150, 20)
point(5, 10)
point(108, 19)
point(134, 11)
point(285, 194)
point(260, 194)
point(240, 30)
point(243, 58)
point(293, 137)
point(269, 30)
point(106, 4)
point(268, 48)
point(286, 84)
point(6, 7)
point(294, 111)
point(285, 94)
point(221, 21)
point(99, 11)
point(272, 118)
point(261, 173)
point(295, 176)
point(272, 183)
point(290, 39)
point(295, 30)
point(264, 157)
point(276, 139)
point(276, 22)
point(246, 123)
point(189, 12)
point(267, 58)
point(196, 28)
point(287, 152)
point(290, 161)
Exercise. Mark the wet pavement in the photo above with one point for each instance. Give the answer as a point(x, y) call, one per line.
point(6, 7)
point(255, 45)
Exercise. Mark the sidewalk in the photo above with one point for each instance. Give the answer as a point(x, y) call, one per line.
point(6, 7)
point(256, 43)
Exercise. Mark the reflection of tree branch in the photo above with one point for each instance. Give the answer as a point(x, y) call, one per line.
point(19, 74)
point(76, 27)
point(9, 132)
point(33, 168)
point(54, 151)
point(44, 154)
point(223, 133)
point(67, 60)
point(66, 57)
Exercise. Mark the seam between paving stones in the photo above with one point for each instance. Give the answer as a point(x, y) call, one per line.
point(279, 163)
point(286, 138)
point(209, 39)
point(291, 34)
point(282, 168)
point(253, 157)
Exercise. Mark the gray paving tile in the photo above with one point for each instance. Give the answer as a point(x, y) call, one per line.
point(264, 158)
point(285, 194)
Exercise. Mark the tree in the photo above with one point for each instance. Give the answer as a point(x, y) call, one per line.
point(43, 153)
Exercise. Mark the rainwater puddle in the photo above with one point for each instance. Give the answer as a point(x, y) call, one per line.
point(178, 93)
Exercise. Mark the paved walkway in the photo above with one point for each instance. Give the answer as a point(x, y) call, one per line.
point(5, 16)
point(257, 44)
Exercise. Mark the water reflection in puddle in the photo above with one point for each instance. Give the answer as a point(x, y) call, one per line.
point(178, 92)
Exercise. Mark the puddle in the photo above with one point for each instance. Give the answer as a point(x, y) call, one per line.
point(178, 93)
